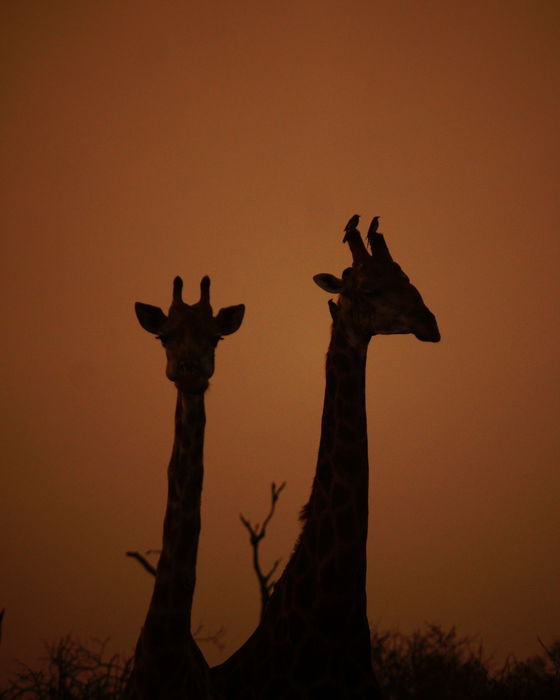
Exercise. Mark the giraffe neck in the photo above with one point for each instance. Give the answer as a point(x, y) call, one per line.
point(171, 605)
point(342, 463)
point(336, 516)
point(168, 663)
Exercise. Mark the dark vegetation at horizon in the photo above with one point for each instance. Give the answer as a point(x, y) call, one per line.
point(429, 664)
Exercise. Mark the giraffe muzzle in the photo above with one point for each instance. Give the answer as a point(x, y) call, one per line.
point(189, 377)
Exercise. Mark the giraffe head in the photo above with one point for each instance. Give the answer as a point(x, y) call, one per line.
point(376, 297)
point(189, 333)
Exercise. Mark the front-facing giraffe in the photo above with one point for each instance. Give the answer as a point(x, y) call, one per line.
point(313, 641)
point(168, 664)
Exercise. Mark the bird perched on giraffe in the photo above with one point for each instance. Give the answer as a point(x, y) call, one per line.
point(351, 226)
point(372, 230)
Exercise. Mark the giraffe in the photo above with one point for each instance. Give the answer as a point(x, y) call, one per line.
point(168, 663)
point(313, 641)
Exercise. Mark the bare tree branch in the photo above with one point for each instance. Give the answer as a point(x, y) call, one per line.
point(256, 534)
point(143, 561)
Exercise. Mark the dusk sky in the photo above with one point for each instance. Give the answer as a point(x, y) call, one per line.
point(141, 140)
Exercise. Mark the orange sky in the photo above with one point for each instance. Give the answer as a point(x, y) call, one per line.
point(141, 140)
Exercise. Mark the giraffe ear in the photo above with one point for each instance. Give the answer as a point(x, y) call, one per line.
point(329, 283)
point(151, 317)
point(230, 318)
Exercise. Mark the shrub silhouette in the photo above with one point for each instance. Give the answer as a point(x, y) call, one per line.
point(436, 664)
point(429, 664)
point(71, 671)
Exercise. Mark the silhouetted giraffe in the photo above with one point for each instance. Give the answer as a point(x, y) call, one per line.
point(313, 640)
point(168, 664)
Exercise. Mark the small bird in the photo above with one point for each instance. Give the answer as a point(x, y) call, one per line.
point(372, 230)
point(351, 226)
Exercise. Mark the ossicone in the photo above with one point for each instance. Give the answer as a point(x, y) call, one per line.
point(177, 290)
point(205, 290)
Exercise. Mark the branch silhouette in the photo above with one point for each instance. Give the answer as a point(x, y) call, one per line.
point(143, 561)
point(256, 534)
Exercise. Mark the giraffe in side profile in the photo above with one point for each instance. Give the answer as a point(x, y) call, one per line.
point(313, 641)
point(168, 664)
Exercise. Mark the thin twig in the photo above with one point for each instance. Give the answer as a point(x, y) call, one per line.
point(145, 563)
point(256, 534)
